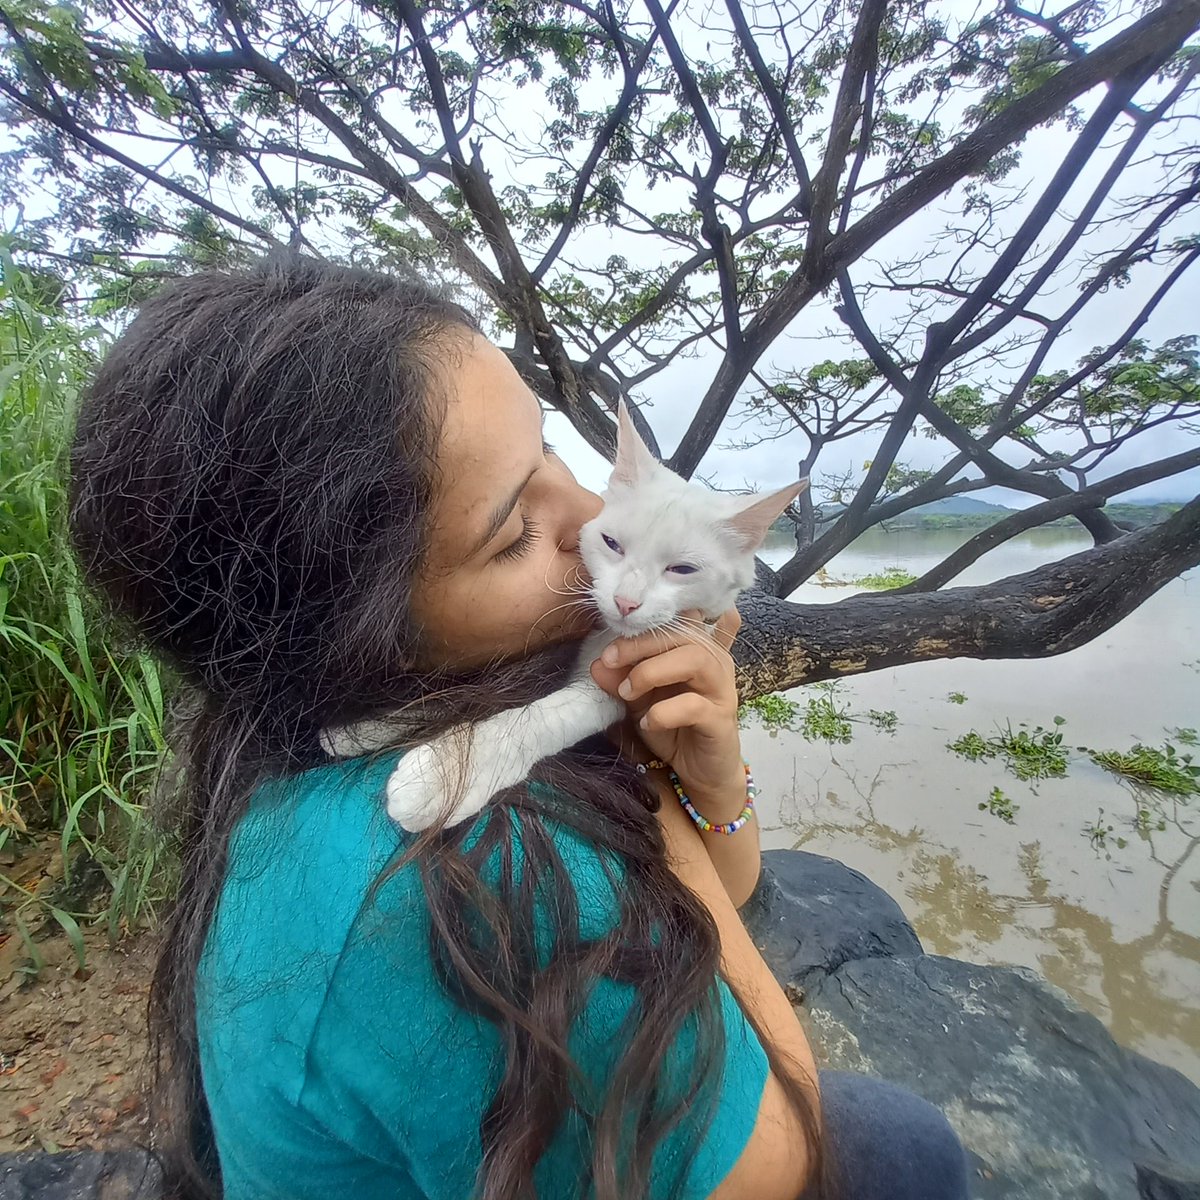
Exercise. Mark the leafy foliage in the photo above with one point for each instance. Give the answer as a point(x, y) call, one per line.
point(1000, 805)
point(1028, 754)
point(824, 719)
point(1162, 767)
point(885, 580)
point(80, 720)
point(887, 720)
point(773, 710)
point(621, 190)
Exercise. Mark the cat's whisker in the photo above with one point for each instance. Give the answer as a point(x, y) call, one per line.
point(662, 632)
point(582, 604)
point(749, 648)
point(692, 625)
point(568, 591)
point(693, 631)
point(574, 582)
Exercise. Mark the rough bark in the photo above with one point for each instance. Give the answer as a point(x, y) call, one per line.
point(1044, 612)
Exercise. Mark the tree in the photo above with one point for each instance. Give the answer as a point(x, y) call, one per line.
point(628, 185)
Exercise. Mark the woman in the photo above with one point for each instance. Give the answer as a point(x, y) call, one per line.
point(322, 494)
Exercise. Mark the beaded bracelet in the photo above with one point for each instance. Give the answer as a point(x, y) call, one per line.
point(706, 826)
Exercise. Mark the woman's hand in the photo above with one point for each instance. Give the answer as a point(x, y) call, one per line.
point(682, 698)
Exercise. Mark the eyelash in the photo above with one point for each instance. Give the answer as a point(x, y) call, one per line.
point(529, 530)
point(529, 534)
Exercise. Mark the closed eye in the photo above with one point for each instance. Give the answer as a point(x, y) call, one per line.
point(529, 534)
point(683, 569)
point(613, 544)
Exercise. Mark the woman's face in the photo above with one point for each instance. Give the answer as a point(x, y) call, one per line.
point(502, 574)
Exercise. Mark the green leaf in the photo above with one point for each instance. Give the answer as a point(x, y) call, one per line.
point(71, 928)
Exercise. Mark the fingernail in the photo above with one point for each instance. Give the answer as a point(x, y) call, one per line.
point(609, 657)
point(626, 688)
point(644, 722)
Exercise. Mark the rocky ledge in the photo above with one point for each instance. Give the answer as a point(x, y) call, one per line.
point(1047, 1104)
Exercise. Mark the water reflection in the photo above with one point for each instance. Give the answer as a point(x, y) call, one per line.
point(1118, 928)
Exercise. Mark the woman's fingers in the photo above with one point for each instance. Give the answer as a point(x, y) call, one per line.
point(685, 711)
point(693, 666)
point(626, 651)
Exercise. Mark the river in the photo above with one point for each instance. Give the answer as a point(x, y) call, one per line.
point(1116, 927)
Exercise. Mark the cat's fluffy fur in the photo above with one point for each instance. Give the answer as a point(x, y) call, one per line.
point(659, 547)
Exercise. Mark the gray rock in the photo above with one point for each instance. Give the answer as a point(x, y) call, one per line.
point(79, 1175)
point(1043, 1098)
point(1047, 1104)
point(1155, 1092)
point(810, 914)
point(1159, 1179)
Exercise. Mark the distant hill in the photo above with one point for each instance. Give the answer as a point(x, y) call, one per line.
point(960, 504)
point(965, 512)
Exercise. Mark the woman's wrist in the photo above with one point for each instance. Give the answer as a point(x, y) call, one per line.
point(737, 857)
point(722, 804)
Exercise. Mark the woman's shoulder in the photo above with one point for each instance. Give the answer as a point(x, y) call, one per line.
point(314, 918)
point(305, 859)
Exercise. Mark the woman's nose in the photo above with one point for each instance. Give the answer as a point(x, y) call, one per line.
point(580, 508)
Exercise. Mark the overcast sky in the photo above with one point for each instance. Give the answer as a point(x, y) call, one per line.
point(818, 334)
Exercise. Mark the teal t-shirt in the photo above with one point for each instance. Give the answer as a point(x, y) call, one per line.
point(333, 1062)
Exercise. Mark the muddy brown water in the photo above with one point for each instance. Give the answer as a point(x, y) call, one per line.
point(1117, 927)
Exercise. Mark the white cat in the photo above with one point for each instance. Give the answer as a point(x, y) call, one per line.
point(659, 547)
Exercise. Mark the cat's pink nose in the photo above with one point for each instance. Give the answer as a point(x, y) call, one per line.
point(625, 606)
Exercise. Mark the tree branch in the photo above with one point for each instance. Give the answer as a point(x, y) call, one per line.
point(775, 102)
point(847, 109)
point(1039, 514)
point(616, 116)
point(1155, 37)
point(1043, 612)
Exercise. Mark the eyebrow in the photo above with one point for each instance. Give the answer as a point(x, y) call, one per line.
point(501, 515)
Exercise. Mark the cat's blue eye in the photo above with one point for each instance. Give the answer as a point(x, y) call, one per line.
point(613, 544)
point(683, 569)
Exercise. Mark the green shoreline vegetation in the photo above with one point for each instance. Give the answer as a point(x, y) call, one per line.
point(81, 716)
point(1031, 754)
point(1137, 516)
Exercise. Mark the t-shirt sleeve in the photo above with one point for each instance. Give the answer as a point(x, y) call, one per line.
point(403, 1074)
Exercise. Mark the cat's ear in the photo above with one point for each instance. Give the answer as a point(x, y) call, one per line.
point(634, 462)
point(751, 524)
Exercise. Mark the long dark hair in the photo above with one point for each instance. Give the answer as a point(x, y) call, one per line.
point(251, 479)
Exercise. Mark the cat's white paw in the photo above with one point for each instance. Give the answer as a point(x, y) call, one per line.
point(416, 790)
point(427, 780)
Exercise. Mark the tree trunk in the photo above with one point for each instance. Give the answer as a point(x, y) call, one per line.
point(1047, 611)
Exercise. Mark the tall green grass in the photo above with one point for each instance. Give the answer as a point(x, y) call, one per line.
point(81, 741)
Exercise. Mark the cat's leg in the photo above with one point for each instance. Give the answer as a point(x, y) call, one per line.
point(374, 733)
point(503, 750)
point(359, 737)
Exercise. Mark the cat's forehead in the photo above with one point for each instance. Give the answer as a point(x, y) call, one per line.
point(664, 522)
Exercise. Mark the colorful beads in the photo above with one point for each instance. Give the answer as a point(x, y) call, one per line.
point(705, 825)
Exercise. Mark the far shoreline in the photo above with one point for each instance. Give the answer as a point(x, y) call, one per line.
point(1128, 515)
